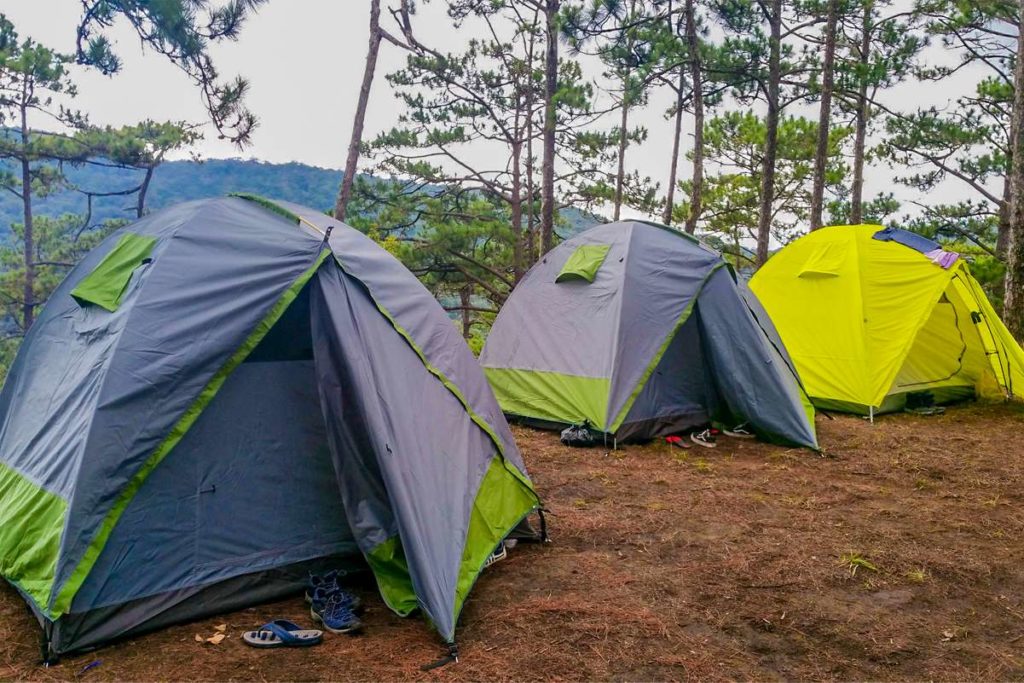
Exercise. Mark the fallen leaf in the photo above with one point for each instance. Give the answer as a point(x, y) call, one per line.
point(199, 638)
point(947, 636)
point(221, 627)
point(216, 639)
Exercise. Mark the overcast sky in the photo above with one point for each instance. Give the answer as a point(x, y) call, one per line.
point(304, 59)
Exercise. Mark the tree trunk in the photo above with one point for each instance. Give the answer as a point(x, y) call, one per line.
point(620, 174)
point(531, 194)
point(1003, 228)
point(466, 299)
point(824, 117)
point(670, 195)
point(516, 207)
point(352, 161)
point(697, 86)
point(861, 126)
point(547, 218)
point(1003, 234)
point(530, 160)
point(1013, 308)
point(764, 220)
point(28, 293)
point(140, 204)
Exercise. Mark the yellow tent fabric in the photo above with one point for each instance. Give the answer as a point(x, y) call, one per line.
point(867, 321)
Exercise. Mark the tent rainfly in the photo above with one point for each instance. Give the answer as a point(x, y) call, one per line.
point(227, 394)
point(872, 315)
point(641, 330)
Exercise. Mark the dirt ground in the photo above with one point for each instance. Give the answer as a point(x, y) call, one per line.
point(897, 556)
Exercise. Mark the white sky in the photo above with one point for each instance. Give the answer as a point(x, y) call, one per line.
point(304, 59)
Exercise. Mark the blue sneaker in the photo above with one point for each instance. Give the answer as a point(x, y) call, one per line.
point(327, 581)
point(321, 596)
point(337, 615)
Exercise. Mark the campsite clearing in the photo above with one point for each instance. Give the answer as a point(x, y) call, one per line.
point(897, 557)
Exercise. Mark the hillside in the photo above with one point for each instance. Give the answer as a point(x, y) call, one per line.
point(179, 181)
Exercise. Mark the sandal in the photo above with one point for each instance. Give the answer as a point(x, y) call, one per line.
point(282, 633)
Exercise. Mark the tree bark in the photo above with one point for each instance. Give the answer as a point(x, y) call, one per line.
point(620, 173)
point(670, 195)
point(531, 192)
point(547, 220)
point(861, 125)
point(1003, 228)
point(140, 204)
point(824, 116)
point(764, 220)
point(28, 292)
point(1013, 307)
point(516, 208)
point(466, 299)
point(352, 161)
point(697, 86)
point(1003, 234)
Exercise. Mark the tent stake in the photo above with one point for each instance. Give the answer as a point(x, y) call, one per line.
point(871, 414)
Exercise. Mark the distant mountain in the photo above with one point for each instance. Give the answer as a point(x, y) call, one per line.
point(179, 181)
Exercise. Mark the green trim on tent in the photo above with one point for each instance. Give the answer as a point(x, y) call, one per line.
point(106, 284)
point(624, 411)
point(387, 561)
point(268, 205)
point(31, 523)
point(551, 396)
point(584, 263)
point(499, 506)
point(62, 602)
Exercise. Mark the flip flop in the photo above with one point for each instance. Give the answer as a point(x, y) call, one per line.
point(282, 633)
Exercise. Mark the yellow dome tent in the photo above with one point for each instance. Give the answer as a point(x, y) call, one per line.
point(871, 315)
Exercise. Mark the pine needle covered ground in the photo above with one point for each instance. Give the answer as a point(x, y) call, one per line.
point(897, 556)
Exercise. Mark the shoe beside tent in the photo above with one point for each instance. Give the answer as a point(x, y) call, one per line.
point(871, 315)
point(641, 331)
point(228, 393)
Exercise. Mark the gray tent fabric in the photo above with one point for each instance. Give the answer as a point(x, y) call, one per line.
point(430, 505)
point(737, 347)
point(641, 351)
point(137, 443)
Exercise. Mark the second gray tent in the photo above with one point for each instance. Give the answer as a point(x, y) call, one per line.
point(641, 330)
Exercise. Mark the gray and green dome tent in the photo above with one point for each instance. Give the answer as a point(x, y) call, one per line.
point(641, 331)
point(228, 393)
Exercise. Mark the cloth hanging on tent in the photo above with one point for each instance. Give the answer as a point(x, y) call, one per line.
point(941, 257)
point(906, 238)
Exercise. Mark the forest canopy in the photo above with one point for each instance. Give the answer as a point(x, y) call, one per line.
point(781, 114)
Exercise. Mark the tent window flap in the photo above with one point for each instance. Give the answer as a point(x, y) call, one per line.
point(584, 263)
point(106, 284)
